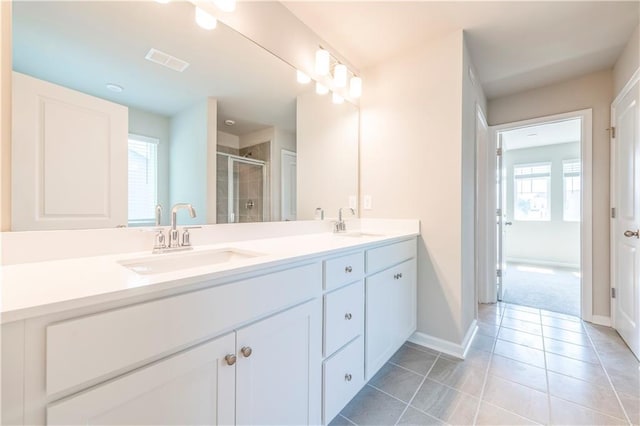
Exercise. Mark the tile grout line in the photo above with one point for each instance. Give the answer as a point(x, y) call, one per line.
point(348, 420)
point(486, 371)
point(615, 392)
point(546, 374)
point(418, 389)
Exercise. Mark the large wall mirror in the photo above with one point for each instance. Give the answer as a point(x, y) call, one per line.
point(211, 119)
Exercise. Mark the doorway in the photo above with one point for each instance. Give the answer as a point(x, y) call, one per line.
point(241, 186)
point(543, 213)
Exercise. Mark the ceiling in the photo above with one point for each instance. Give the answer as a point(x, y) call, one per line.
point(85, 45)
point(542, 134)
point(515, 45)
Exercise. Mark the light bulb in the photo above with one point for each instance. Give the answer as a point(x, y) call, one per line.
point(205, 20)
point(323, 59)
point(321, 89)
point(337, 99)
point(302, 77)
point(340, 75)
point(225, 5)
point(355, 87)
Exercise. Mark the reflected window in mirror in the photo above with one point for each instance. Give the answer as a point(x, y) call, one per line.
point(143, 179)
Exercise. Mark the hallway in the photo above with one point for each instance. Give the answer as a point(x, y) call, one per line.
point(525, 366)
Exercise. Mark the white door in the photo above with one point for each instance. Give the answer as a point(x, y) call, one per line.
point(625, 238)
point(193, 387)
point(71, 149)
point(288, 178)
point(279, 369)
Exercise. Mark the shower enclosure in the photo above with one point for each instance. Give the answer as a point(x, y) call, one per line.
point(241, 189)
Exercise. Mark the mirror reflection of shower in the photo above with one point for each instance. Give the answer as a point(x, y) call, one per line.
point(242, 185)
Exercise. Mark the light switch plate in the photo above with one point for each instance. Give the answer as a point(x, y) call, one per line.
point(353, 202)
point(367, 202)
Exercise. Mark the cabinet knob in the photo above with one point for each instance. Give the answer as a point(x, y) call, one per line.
point(348, 269)
point(347, 377)
point(246, 351)
point(231, 359)
point(347, 316)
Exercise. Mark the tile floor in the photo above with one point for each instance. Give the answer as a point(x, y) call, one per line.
point(525, 366)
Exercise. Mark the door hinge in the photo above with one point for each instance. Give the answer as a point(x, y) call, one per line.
point(498, 212)
point(499, 151)
point(613, 212)
point(499, 273)
point(613, 292)
point(612, 129)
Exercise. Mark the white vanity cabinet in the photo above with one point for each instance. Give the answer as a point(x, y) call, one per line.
point(196, 386)
point(390, 301)
point(265, 373)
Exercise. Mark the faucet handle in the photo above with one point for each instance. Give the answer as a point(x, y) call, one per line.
point(186, 236)
point(160, 240)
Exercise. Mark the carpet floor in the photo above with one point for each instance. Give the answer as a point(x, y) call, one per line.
point(553, 289)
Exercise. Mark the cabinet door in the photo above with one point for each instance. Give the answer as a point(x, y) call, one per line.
point(193, 387)
point(279, 380)
point(390, 313)
point(72, 152)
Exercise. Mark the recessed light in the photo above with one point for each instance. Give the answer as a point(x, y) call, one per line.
point(114, 87)
point(205, 20)
point(229, 122)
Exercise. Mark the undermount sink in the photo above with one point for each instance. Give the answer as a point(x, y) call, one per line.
point(171, 262)
point(358, 234)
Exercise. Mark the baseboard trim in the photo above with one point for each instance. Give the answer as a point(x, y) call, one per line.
point(601, 320)
point(445, 346)
point(549, 263)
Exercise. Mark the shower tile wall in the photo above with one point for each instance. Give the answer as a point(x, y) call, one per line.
point(222, 185)
point(251, 196)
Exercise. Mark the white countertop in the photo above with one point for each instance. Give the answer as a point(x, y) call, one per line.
point(41, 288)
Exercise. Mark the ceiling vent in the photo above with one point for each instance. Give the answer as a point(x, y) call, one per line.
point(166, 60)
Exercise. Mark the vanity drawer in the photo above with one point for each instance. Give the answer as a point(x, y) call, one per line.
point(343, 377)
point(343, 316)
point(386, 256)
point(92, 347)
point(342, 270)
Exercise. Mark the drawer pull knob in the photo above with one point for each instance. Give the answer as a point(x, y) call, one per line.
point(347, 316)
point(231, 359)
point(246, 351)
point(347, 377)
point(348, 269)
point(397, 276)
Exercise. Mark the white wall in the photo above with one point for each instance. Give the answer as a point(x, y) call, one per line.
point(594, 91)
point(192, 169)
point(327, 163)
point(627, 63)
point(5, 115)
point(228, 140)
point(554, 242)
point(411, 157)
point(157, 126)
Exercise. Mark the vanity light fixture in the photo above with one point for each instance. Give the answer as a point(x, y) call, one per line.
point(355, 87)
point(302, 77)
point(225, 5)
point(205, 20)
point(115, 87)
point(323, 61)
point(337, 99)
point(321, 89)
point(340, 75)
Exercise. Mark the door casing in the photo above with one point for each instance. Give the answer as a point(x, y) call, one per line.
point(586, 238)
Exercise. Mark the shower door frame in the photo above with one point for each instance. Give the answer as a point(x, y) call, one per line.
point(231, 158)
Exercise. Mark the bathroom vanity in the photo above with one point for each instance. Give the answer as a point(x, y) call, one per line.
point(269, 331)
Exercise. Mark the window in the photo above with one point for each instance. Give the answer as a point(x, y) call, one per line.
point(143, 180)
point(571, 177)
point(531, 185)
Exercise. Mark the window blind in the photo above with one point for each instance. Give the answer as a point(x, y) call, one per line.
point(143, 179)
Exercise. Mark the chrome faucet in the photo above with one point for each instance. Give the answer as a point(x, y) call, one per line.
point(340, 225)
point(174, 235)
